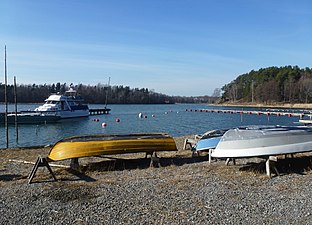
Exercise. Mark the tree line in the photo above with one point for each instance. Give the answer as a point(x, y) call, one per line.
point(96, 94)
point(288, 84)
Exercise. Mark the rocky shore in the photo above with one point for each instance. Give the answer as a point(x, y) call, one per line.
point(183, 190)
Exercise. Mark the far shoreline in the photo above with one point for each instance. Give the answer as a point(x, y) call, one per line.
point(262, 105)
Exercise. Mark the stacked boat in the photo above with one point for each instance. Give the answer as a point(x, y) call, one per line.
point(259, 141)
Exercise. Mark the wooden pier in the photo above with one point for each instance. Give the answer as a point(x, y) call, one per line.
point(306, 122)
point(99, 111)
point(267, 113)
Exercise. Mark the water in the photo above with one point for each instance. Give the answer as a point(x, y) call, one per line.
point(177, 120)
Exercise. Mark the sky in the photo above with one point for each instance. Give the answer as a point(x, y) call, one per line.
point(174, 47)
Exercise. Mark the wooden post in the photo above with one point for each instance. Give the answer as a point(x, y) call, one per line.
point(269, 164)
point(74, 164)
point(228, 160)
point(15, 99)
point(6, 101)
point(107, 92)
point(154, 160)
point(267, 168)
point(209, 155)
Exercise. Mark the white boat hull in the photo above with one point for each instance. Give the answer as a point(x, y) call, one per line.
point(263, 141)
point(72, 114)
point(64, 106)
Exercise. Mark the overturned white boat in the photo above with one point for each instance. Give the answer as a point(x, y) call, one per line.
point(255, 141)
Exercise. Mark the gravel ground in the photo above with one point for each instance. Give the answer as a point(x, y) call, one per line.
point(184, 190)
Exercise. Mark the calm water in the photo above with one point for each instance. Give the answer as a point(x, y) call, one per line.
point(172, 119)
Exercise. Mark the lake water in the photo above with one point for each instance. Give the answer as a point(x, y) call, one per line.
point(176, 119)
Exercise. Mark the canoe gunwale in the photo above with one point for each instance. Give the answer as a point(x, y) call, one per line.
point(105, 137)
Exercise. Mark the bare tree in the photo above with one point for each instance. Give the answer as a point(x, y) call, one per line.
point(305, 86)
point(216, 92)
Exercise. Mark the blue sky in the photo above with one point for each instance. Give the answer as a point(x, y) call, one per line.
point(175, 47)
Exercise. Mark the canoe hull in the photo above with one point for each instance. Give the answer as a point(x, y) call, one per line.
point(240, 143)
point(96, 145)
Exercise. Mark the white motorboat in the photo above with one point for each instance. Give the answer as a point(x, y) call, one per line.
point(254, 141)
point(65, 106)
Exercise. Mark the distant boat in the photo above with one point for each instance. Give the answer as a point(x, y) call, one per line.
point(254, 141)
point(55, 108)
point(65, 106)
point(108, 144)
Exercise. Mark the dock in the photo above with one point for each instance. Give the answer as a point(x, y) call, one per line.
point(267, 113)
point(102, 111)
point(306, 122)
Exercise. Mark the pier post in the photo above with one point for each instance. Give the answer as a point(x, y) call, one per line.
point(6, 100)
point(15, 99)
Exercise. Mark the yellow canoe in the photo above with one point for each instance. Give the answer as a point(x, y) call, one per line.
point(105, 144)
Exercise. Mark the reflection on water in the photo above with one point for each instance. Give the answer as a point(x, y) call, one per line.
point(172, 119)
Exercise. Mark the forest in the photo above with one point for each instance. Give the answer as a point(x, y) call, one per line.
point(97, 94)
point(288, 84)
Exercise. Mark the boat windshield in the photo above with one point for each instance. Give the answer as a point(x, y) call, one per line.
point(51, 102)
